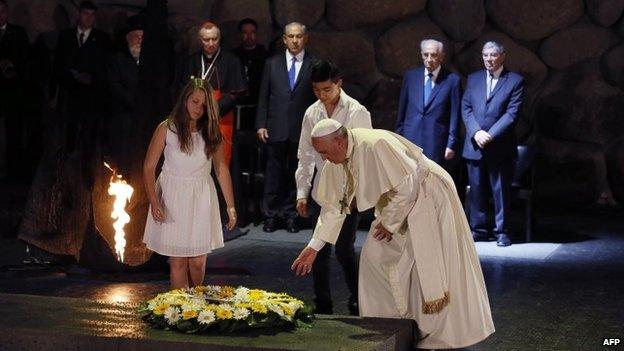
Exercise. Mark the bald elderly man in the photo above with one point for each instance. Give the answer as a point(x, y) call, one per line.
point(419, 260)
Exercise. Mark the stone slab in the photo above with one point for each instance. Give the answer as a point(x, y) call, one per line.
point(36, 323)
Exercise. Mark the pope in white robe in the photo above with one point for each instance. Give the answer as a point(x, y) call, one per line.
point(419, 260)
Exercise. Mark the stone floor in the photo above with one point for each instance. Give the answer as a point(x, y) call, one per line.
point(565, 291)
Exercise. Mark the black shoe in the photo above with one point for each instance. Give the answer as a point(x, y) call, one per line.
point(323, 309)
point(269, 225)
point(353, 308)
point(291, 226)
point(502, 240)
point(477, 236)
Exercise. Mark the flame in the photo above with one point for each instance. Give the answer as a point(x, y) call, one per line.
point(122, 192)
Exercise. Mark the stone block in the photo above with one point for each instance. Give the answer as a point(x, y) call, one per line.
point(534, 19)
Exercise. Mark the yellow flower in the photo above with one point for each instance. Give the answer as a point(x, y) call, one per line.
point(188, 314)
point(227, 292)
point(160, 309)
point(287, 310)
point(242, 305)
point(222, 313)
point(258, 307)
point(255, 294)
point(201, 289)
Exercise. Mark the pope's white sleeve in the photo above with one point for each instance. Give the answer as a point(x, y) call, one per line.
point(328, 225)
point(316, 244)
point(400, 202)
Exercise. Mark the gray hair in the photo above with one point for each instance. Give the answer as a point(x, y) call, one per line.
point(494, 45)
point(292, 24)
point(437, 42)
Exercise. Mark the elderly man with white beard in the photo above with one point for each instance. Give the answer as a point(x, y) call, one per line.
point(419, 261)
point(123, 71)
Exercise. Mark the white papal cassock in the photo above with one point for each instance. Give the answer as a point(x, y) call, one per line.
point(429, 271)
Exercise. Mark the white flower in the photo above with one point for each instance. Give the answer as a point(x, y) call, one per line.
point(196, 303)
point(187, 307)
point(206, 317)
point(172, 315)
point(214, 288)
point(276, 308)
point(241, 294)
point(241, 313)
point(295, 305)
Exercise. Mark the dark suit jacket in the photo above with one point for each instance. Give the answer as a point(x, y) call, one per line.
point(253, 62)
point(433, 127)
point(279, 109)
point(229, 77)
point(497, 115)
point(91, 58)
point(14, 45)
point(122, 79)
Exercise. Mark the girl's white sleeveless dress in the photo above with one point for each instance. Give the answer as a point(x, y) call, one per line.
point(193, 224)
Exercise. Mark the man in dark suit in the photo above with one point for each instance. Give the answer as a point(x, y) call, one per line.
point(80, 73)
point(14, 99)
point(489, 110)
point(429, 105)
point(252, 56)
point(123, 72)
point(285, 94)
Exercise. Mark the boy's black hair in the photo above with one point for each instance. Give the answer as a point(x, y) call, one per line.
point(324, 70)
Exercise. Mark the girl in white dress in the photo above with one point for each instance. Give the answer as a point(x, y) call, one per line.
point(185, 223)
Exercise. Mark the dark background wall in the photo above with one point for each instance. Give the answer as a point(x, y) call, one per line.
point(571, 53)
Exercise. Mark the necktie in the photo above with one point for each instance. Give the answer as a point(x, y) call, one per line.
point(80, 39)
point(292, 74)
point(489, 86)
point(2, 33)
point(428, 88)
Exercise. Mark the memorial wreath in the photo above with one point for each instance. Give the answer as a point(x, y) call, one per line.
point(224, 308)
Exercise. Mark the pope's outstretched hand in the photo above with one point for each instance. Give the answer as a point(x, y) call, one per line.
point(303, 263)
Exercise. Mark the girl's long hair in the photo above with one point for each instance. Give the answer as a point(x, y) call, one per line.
point(207, 124)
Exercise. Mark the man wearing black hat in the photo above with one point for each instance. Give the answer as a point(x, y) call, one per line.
point(123, 70)
point(80, 74)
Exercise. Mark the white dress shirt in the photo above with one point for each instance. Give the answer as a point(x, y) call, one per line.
point(86, 35)
point(298, 63)
point(495, 75)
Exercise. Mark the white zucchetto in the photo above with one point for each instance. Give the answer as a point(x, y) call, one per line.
point(325, 127)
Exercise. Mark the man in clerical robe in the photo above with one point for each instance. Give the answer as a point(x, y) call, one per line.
point(419, 260)
point(224, 72)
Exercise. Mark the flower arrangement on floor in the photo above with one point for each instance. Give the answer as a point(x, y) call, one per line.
point(224, 308)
